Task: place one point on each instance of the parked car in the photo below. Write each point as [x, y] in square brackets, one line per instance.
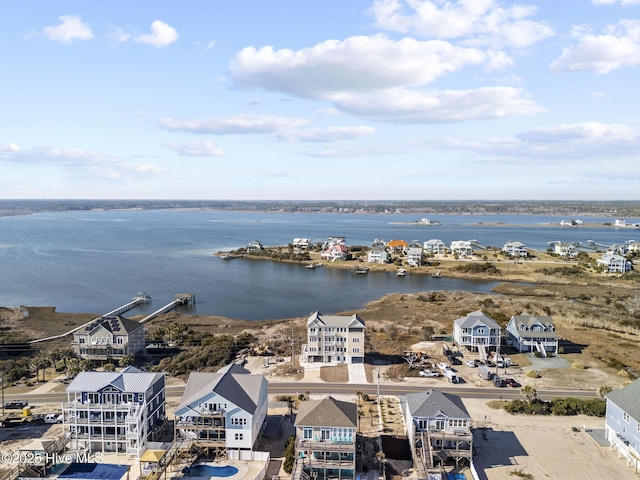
[16, 404]
[429, 373]
[444, 366]
[53, 418]
[512, 383]
[470, 363]
[498, 382]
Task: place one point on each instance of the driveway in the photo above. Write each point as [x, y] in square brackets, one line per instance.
[357, 374]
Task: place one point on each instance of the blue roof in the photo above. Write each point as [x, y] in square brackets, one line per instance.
[95, 471]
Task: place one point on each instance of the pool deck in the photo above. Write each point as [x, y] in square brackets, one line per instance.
[247, 470]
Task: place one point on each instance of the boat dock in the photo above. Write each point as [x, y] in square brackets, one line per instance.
[180, 299]
[139, 299]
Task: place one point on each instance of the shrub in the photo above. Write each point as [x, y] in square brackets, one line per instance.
[532, 374]
[289, 454]
[577, 365]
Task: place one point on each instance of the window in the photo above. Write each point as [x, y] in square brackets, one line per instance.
[356, 340]
[480, 331]
[238, 421]
[625, 416]
[356, 350]
[308, 433]
[239, 436]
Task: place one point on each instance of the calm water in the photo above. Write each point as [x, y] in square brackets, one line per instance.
[96, 261]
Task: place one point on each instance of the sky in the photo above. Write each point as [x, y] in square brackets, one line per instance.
[320, 100]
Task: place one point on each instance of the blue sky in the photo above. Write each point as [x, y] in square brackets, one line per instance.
[311, 100]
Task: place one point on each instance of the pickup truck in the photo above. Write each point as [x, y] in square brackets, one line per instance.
[429, 373]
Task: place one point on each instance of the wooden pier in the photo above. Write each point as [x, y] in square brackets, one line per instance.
[180, 299]
[139, 299]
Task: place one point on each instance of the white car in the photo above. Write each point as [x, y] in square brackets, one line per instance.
[470, 363]
[444, 366]
[429, 373]
[53, 418]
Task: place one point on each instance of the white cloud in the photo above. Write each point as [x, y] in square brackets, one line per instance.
[355, 64]
[418, 107]
[238, 124]
[588, 142]
[118, 35]
[613, 2]
[203, 148]
[618, 46]
[70, 29]
[210, 45]
[161, 35]
[329, 134]
[75, 162]
[477, 22]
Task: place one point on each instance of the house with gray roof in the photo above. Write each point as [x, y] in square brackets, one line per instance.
[530, 333]
[435, 246]
[222, 410]
[326, 439]
[334, 339]
[439, 429]
[622, 424]
[515, 249]
[614, 263]
[114, 411]
[108, 339]
[477, 332]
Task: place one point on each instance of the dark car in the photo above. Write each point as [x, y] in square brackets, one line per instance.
[512, 383]
[16, 404]
[498, 382]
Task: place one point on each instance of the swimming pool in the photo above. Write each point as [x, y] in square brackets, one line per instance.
[204, 470]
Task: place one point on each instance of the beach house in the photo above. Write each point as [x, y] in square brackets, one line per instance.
[461, 247]
[334, 339]
[434, 246]
[223, 410]
[438, 428]
[114, 411]
[613, 263]
[515, 249]
[377, 255]
[477, 332]
[108, 339]
[414, 256]
[398, 247]
[326, 440]
[529, 333]
[254, 246]
[622, 423]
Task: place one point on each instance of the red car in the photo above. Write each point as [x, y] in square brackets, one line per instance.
[512, 383]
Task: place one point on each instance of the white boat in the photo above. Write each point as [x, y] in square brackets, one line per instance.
[438, 274]
[401, 272]
[227, 256]
[311, 266]
[362, 270]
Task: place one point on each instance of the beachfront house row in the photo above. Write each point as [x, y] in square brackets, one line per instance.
[331, 241]
[515, 249]
[438, 428]
[254, 246]
[613, 263]
[107, 339]
[326, 440]
[529, 333]
[461, 247]
[565, 250]
[622, 423]
[477, 332]
[435, 246]
[398, 247]
[114, 411]
[618, 249]
[223, 410]
[414, 256]
[334, 339]
[377, 255]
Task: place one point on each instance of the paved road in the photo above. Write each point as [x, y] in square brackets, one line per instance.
[394, 389]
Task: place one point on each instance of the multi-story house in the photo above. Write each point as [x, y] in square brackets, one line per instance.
[438, 427]
[301, 243]
[114, 411]
[326, 440]
[515, 249]
[108, 339]
[254, 246]
[565, 250]
[532, 332]
[223, 410]
[461, 247]
[397, 246]
[435, 246]
[377, 255]
[333, 338]
[414, 256]
[614, 263]
[477, 332]
[336, 252]
[622, 424]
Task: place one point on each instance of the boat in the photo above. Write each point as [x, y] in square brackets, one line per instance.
[227, 256]
[311, 266]
[401, 272]
[362, 270]
[438, 274]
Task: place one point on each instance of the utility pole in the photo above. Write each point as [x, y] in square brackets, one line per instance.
[378, 393]
[2, 387]
[293, 350]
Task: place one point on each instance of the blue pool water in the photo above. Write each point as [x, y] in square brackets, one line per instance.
[456, 476]
[203, 470]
